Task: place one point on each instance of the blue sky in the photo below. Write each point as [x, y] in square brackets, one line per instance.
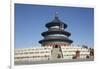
[30, 22]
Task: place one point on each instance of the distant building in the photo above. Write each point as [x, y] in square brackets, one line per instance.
[56, 45]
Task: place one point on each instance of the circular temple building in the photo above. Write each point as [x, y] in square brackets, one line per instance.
[56, 34]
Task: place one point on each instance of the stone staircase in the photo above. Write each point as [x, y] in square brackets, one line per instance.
[56, 53]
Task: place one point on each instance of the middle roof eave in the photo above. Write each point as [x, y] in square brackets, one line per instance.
[56, 32]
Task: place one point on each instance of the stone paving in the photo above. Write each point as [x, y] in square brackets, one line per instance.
[53, 61]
